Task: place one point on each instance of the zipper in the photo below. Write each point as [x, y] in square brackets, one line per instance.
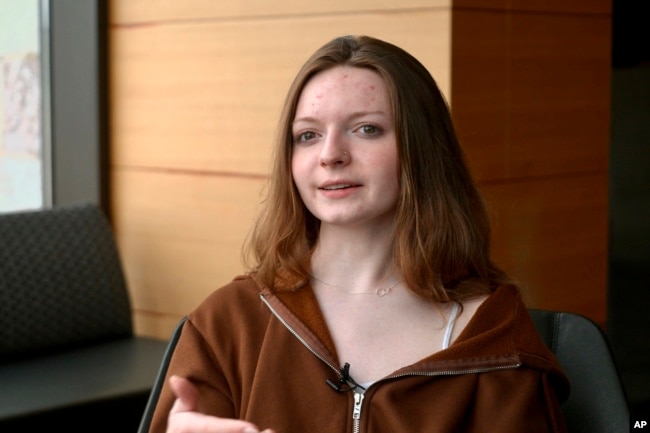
[299, 337]
[455, 372]
[356, 411]
[359, 396]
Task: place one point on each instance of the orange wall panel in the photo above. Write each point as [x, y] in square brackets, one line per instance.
[550, 235]
[531, 101]
[553, 6]
[531, 92]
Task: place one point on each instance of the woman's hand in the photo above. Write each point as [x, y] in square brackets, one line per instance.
[185, 418]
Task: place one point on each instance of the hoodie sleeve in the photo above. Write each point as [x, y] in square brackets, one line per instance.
[193, 360]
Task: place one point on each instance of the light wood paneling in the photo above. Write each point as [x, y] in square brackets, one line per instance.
[145, 11]
[155, 325]
[206, 96]
[540, 105]
[180, 235]
[550, 234]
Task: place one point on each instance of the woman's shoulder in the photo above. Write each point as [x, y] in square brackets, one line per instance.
[239, 298]
[241, 287]
[503, 307]
[502, 324]
[230, 319]
[469, 309]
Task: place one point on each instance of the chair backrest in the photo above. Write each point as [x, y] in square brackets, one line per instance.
[597, 402]
[147, 416]
[61, 281]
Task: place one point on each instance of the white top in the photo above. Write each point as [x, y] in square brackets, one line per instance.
[450, 326]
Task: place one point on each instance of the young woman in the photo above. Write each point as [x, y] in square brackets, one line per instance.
[372, 305]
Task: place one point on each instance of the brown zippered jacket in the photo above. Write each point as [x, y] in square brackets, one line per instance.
[266, 358]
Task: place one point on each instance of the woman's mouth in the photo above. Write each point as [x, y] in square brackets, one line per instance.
[336, 186]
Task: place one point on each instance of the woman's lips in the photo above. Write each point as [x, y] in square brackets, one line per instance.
[338, 189]
[337, 186]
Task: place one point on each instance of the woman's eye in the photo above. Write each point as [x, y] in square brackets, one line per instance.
[305, 136]
[369, 130]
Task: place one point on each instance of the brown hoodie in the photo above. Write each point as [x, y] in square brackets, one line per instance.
[266, 358]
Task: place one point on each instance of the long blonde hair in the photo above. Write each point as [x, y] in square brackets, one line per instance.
[442, 233]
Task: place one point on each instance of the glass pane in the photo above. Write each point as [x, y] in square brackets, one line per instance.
[21, 138]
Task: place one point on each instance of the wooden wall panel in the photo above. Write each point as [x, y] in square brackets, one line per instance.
[540, 105]
[550, 233]
[554, 6]
[180, 235]
[207, 96]
[531, 103]
[143, 11]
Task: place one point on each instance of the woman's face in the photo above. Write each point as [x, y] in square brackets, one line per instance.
[345, 162]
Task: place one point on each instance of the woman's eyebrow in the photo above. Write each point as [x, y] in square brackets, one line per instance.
[353, 116]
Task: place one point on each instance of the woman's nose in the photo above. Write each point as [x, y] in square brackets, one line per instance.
[334, 152]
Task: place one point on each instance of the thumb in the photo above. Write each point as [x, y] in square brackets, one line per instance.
[187, 396]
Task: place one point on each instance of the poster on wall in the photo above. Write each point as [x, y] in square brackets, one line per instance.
[21, 139]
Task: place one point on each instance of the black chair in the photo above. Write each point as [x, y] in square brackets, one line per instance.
[145, 423]
[68, 354]
[597, 402]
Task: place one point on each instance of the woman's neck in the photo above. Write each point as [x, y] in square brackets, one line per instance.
[352, 258]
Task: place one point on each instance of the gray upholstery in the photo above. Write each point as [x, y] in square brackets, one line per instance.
[597, 402]
[61, 282]
[66, 337]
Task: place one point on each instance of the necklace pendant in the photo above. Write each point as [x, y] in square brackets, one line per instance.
[381, 292]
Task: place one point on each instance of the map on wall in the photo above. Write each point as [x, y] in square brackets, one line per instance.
[21, 150]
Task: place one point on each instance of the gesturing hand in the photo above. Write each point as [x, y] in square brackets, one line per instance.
[185, 418]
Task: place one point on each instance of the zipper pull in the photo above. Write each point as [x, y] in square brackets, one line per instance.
[358, 401]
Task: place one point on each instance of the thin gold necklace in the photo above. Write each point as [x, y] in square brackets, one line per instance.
[379, 291]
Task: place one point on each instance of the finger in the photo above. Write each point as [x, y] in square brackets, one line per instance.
[184, 413]
[196, 422]
[187, 396]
